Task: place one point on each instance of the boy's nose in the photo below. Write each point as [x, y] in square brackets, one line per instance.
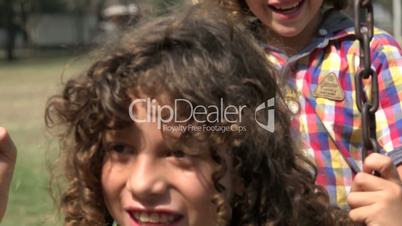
[147, 182]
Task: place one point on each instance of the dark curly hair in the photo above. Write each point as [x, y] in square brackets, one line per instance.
[200, 56]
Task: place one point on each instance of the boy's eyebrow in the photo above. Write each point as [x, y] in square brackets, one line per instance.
[130, 135]
[112, 134]
[121, 134]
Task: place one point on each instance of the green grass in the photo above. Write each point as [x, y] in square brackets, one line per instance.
[25, 86]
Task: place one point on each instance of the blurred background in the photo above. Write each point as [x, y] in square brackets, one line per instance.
[42, 44]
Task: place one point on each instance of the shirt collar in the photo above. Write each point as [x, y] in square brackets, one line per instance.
[335, 25]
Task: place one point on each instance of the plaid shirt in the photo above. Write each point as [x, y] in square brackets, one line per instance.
[330, 127]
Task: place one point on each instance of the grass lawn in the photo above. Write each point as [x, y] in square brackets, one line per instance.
[25, 86]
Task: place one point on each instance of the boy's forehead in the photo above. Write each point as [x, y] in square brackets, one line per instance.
[136, 135]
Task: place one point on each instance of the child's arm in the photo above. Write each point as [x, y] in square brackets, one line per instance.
[8, 156]
[377, 200]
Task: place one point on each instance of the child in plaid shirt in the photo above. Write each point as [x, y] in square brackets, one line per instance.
[312, 44]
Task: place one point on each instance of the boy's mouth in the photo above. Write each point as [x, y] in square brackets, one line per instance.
[286, 8]
[154, 218]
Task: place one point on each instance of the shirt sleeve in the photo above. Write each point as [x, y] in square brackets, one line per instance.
[386, 58]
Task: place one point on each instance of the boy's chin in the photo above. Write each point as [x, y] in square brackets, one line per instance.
[287, 32]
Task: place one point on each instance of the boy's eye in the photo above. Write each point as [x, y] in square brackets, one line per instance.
[119, 148]
[181, 158]
[177, 153]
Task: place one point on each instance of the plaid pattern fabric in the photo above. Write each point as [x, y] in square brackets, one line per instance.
[330, 130]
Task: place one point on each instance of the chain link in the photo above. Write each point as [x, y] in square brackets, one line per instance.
[367, 105]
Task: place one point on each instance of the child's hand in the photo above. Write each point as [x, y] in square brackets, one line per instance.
[377, 201]
[8, 156]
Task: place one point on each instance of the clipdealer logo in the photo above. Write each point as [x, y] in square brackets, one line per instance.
[164, 115]
[269, 107]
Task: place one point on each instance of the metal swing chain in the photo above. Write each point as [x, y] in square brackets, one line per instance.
[364, 30]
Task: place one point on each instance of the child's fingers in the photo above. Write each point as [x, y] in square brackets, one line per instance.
[368, 182]
[4, 138]
[7, 147]
[359, 199]
[381, 208]
[382, 164]
[376, 200]
[359, 215]
[8, 156]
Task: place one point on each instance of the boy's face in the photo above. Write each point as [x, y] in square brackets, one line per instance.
[145, 183]
[287, 18]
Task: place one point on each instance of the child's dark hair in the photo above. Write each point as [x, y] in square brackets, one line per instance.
[201, 57]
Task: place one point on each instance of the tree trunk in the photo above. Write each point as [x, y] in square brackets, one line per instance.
[11, 29]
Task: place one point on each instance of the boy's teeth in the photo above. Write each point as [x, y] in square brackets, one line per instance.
[163, 218]
[154, 218]
[288, 7]
[137, 215]
[143, 217]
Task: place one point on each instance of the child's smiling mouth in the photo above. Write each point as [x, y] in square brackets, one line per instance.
[154, 218]
[288, 8]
